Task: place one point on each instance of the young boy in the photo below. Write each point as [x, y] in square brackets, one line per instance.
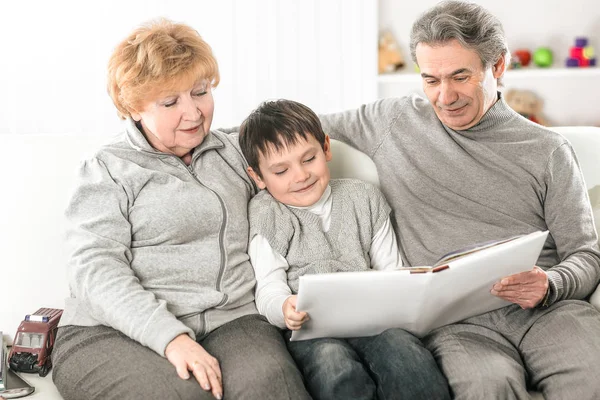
[303, 223]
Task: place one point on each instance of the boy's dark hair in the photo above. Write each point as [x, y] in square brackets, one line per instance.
[275, 125]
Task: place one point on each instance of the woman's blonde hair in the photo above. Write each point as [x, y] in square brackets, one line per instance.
[158, 58]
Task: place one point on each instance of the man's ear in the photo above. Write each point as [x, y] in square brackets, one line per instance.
[327, 149]
[256, 178]
[500, 66]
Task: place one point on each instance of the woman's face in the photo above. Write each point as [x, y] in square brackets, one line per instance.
[178, 122]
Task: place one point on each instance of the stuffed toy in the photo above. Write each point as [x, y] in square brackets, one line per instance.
[527, 104]
[390, 58]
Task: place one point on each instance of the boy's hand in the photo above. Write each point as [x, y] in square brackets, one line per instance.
[293, 319]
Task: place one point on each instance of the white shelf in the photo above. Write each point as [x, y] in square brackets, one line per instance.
[522, 73]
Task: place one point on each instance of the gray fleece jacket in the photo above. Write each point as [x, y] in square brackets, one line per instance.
[158, 248]
[502, 177]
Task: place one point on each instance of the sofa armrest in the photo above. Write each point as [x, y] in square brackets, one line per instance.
[595, 299]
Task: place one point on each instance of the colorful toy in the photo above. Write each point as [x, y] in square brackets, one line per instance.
[515, 63]
[523, 55]
[390, 58]
[527, 104]
[34, 342]
[542, 57]
[581, 55]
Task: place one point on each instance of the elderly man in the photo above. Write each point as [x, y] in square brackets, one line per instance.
[465, 168]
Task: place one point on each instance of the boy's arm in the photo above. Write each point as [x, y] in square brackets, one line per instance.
[384, 252]
[272, 289]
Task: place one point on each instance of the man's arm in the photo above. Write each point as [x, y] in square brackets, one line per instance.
[570, 221]
[366, 127]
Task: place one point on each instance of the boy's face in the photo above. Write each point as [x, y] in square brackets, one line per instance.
[297, 175]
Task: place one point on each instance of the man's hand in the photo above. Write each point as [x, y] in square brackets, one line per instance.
[526, 289]
[293, 320]
[187, 355]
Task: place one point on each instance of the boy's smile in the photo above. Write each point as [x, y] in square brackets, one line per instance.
[298, 174]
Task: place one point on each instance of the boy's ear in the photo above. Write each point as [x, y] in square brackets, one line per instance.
[259, 182]
[327, 148]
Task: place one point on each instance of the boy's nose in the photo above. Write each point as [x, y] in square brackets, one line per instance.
[302, 174]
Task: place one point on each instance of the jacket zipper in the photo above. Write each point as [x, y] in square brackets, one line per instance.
[190, 170]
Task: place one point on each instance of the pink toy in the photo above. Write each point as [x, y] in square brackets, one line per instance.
[581, 55]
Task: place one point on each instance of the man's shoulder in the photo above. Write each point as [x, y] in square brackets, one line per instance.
[413, 101]
[543, 137]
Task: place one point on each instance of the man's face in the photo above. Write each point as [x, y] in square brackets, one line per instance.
[456, 84]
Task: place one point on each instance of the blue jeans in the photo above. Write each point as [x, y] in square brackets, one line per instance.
[391, 365]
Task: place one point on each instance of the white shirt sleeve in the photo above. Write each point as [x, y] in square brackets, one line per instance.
[384, 252]
[272, 288]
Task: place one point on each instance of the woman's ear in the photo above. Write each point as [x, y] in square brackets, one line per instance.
[136, 116]
[256, 178]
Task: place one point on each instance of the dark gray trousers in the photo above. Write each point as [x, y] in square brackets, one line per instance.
[101, 363]
[498, 355]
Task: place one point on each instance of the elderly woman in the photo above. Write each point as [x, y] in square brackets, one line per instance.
[161, 284]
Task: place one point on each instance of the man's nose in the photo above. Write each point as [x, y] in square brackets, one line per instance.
[447, 93]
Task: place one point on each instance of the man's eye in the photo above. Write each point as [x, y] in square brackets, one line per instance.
[430, 82]
[460, 78]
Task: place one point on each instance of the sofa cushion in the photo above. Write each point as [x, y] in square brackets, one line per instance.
[594, 194]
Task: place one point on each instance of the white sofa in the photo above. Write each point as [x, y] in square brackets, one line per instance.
[38, 172]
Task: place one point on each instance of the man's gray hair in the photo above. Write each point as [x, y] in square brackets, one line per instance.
[473, 26]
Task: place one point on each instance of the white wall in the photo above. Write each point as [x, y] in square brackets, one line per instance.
[52, 72]
[570, 96]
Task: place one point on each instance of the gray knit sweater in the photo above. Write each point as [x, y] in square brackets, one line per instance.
[358, 211]
[502, 177]
[158, 248]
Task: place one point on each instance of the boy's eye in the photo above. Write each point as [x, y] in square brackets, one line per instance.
[310, 159]
[280, 172]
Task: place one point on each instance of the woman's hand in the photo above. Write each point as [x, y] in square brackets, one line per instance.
[526, 289]
[293, 319]
[187, 355]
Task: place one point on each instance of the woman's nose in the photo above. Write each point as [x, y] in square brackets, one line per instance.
[191, 110]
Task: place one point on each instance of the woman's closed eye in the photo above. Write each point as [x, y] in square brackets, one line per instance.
[170, 103]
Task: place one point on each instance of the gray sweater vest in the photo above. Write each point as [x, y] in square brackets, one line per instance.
[358, 212]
